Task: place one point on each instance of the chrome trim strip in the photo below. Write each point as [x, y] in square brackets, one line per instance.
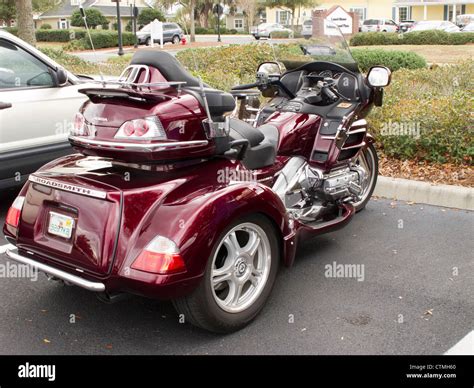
[361, 145]
[67, 277]
[68, 187]
[118, 146]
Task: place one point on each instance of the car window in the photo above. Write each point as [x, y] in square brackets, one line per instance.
[308, 23]
[371, 22]
[20, 69]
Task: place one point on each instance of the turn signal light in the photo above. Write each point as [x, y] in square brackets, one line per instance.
[161, 256]
[80, 126]
[13, 215]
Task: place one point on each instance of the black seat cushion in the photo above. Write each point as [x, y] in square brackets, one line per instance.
[219, 102]
[263, 143]
[168, 66]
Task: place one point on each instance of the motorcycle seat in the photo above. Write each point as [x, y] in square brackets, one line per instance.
[219, 102]
[263, 143]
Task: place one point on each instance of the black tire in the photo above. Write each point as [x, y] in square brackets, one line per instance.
[257, 37]
[148, 41]
[200, 307]
[373, 151]
[176, 39]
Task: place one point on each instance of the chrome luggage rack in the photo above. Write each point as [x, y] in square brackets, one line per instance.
[129, 80]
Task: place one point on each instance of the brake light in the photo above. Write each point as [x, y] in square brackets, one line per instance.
[13, 215]
[161, 256]
[80, 127]
[149, 128]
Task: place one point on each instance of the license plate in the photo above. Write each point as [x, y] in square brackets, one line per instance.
[60, 225]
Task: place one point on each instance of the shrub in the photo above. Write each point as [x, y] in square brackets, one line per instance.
[75, 45]
[281, 35]
[438, 102]
[12, 30]
[147, 15]
[94, 18]
[46, 26]
[104, 39]
[53, 35]
[79, 34]
[394, 60]
[414, 38]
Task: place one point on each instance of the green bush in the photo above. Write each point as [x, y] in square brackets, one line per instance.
[12, 30]
[394, 60]
[94, 18]
[53, 35]
[46, 26]
[147, 15]
[432, 37]
[280, 35]
[79, 33]
[105, 39]
[435, 103]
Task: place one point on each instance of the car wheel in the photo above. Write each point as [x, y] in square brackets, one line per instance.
[257, 37]
[384, 31]
[148, 41]
[176, 39]
[238, 279]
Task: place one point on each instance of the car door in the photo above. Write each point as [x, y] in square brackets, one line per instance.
[167, 32]
[36, 125]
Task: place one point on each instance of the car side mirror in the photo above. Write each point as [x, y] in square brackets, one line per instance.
[379, 77]
[270, 68]
[61, 76]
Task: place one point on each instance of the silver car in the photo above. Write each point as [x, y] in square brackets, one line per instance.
[38, 103]
[265, 30]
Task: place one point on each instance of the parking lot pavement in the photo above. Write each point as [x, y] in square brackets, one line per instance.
[415, 297]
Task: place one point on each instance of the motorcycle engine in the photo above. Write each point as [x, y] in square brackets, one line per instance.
[308, 193]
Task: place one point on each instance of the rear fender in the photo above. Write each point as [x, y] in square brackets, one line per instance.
[196, 224]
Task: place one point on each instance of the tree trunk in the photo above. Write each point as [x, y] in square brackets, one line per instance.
[193, 22]
[26, 26]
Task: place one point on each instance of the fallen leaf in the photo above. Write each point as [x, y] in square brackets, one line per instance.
[108, 346]
[46, 341]
[429, 312]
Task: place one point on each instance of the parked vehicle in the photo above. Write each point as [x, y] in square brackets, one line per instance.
[172, 198]
[307, 30]
[172, 33]
[440, 25]
[464, 20]
[379, 25]
[406, 25]
[468, 28]
[265, 30]
[38, 99]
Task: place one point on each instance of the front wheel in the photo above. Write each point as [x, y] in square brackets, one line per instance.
[176, 39]
[368, 161]
[239, 277]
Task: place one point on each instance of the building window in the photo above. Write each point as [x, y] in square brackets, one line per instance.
[362, 12]
[283, 17]
[403, 14]
[449, 10]
[262, 17]
[238, 24]
[63, 24]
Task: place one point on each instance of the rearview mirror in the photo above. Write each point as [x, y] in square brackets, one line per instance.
[270, 68]
[379, 77]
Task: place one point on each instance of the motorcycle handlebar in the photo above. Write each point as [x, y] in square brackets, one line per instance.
[247, 86]
[330, 94]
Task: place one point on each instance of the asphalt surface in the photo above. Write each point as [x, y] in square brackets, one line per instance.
[409, 302]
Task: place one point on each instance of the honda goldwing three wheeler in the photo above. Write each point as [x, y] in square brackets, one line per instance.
[172, 196]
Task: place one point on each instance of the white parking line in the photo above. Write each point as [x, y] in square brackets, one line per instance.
[465, 347]
[3, 248]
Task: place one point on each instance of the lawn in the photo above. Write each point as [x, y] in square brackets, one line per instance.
[435, 53]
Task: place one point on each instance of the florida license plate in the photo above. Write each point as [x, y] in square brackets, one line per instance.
[60, 225]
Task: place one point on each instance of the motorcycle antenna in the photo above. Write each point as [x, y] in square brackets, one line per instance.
[84, 17]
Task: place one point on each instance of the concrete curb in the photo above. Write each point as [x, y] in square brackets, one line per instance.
[422, 192]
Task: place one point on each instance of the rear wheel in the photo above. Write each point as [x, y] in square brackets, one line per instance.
[148, 41]
[176, 39]
[239, 277]
[369, 162]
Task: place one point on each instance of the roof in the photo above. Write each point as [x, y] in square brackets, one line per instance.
[65, 9]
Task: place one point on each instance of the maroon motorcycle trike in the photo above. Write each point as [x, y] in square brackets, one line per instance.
[180, 192]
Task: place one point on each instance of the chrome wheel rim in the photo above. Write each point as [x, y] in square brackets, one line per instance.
[240, 267]
[366, 161]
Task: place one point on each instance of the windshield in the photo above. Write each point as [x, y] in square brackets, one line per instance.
[295, 46]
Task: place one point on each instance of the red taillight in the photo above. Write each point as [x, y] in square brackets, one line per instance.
[160, 256]
[141, 127]
[149, 128]
[13, 215]
[129, 129]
